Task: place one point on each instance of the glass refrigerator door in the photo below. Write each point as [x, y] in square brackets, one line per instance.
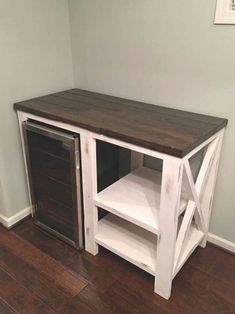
[55, 184]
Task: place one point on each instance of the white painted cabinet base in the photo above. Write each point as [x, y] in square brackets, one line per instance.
[155, 220]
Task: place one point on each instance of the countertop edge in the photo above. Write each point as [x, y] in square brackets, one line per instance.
[19, 106]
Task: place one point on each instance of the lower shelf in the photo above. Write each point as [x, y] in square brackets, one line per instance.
[138, 245]
[129, 241]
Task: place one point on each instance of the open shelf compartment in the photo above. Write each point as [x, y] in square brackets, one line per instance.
[138, 245]
[135, 198]
[129, 241]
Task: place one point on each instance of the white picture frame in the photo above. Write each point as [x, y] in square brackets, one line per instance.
[225, 12]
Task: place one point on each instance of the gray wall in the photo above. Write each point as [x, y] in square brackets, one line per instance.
[168, 52]
[35, 59]
[156, 51]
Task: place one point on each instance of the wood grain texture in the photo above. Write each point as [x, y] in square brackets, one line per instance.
[17, 297]
[159, 128]
[5, 308]
[65, 279]
[35, 281]
[206, 283]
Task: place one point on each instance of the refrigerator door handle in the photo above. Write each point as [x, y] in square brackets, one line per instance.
[77, 156]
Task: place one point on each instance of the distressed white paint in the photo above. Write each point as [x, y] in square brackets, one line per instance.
[89, 181]
[208, 193]
[129, 241]
[194, 237]
[183, 232]
[206, 165]
[198, 213]
[202, 194]
[132, 147]
[136, 198]
[162, 256]
[168, 222]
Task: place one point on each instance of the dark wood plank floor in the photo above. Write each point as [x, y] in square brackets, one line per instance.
[40, 274]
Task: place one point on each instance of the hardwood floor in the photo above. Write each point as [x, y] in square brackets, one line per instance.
[41, 274]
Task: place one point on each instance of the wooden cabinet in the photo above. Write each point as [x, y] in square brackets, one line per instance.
[154, 218]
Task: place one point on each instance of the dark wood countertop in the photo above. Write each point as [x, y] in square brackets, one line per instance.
[159, 128]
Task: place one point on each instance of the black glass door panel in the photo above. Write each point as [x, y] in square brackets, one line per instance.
[44, 185]
[56, 216]
[54, 176]
[53, 167]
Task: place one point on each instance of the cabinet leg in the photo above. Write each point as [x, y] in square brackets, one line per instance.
[204, 241]
[168, 221]
[89, 179]
[90, 231]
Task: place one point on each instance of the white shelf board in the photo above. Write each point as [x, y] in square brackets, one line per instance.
[193, 239]
[136, 198]
[129, 241]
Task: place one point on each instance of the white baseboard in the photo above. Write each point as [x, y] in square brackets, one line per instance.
[8, 222]
[225, 244]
